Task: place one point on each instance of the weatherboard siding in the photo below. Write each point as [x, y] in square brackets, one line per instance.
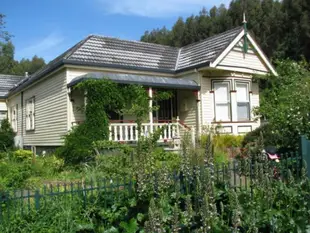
[50, 111]
[187, 108]
[207, 104]
[236, 58]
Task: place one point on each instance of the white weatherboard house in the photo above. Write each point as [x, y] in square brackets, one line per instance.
[211, 80]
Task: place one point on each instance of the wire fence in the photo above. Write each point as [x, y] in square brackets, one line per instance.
[242, 174]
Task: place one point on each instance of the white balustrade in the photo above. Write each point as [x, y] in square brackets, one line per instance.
[128, 132]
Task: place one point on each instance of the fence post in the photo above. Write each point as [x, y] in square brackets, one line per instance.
[37, 199]
[305, 152]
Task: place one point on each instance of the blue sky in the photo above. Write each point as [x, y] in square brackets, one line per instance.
[48, 27]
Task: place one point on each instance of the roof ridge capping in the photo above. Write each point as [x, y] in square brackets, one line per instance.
[12, 75]
[237, 29]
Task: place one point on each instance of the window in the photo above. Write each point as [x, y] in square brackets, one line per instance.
[243, 102]
[14, 118]
[30, 114]
[222, 101]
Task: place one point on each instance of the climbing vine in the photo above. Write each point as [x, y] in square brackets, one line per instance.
[104, 96]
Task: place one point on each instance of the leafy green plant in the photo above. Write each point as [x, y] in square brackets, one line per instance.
[220, 157]
[13, 174]
[227, 141]
[6, 136]
[130, 227]
[270, 138]
[22, 155]
[285, 103]
[163, 158]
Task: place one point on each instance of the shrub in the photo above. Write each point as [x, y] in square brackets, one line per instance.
[6, 136]
[227, 141]
[164, 158]
[269, 137]
[22, 155]
[56, 164]
[77, 146]
[220, 157]
[13, 175]
[284, 102]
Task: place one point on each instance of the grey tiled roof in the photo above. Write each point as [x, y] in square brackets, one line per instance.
[207, 50]
[7, 82]
[106, 50]
[99, 51]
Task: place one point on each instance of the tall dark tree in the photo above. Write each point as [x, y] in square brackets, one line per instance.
[178, 32]
[27, 65]
[297, 23]
[282, 28]
[7, 62]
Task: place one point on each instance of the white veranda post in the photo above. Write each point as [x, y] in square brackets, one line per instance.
[150, 108]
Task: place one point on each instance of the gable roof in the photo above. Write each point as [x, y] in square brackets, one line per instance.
[100, 51]
[7, 82]
[206, 51]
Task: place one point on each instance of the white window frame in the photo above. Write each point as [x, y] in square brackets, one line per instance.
[219, 103]
[14, 117]
[245, 102]
[30, 114]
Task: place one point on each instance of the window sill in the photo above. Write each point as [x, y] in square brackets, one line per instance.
[30, 130]
[231, 122]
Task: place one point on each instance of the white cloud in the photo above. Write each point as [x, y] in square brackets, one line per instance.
[41, 47]
[157, 8]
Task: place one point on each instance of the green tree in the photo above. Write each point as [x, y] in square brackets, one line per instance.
[282, 28]
[178, 32]
[27, 65]
[285, 102]
[4, 35]
[7, 61]
[6, 136]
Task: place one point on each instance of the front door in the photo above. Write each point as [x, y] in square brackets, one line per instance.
[167, 109]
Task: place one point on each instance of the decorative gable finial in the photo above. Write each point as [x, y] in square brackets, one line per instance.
[244, 19]
[245, 39]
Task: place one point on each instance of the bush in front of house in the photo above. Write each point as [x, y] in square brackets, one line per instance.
[77, 146]
[22, 155]
[6, 136]
[266, 131]
[225, 146]
[285, 103]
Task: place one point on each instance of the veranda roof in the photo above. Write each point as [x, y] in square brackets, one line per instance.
[144, 80]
